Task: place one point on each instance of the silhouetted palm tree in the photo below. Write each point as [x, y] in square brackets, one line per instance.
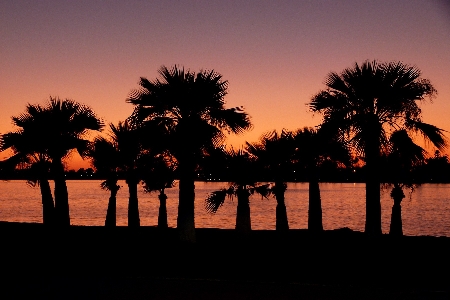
[37, 167]
[274, 152]
[159, 176]
[368, 102]
[126, 139]
[313, 148]
[54, 130]
[241, 171]
[190, 107]
[39, 171]
[402, 156]
[105, 158]
[123, 153]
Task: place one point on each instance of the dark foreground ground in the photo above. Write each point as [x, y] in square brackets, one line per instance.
[144, 263]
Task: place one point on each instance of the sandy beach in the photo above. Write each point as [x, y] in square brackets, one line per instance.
[145, 263]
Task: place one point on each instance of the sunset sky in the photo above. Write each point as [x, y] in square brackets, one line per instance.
[275, 54]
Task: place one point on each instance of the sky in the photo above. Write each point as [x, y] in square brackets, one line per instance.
[274, 54]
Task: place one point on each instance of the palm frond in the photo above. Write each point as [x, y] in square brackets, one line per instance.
[233, 120]
[215, 200]
[430, 133]
[264, 190]
[404, 151]
[110, 184]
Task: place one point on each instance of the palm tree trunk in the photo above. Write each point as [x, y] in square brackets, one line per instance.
[373, 205]
[281, 214]
[162, 216]
[396, 228]
[48, 208]
[110, 220]
[315, 206]
[243, 221]
[61, 194]
[186, 208]
[133, 205]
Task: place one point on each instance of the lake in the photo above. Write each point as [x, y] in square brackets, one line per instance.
[426, 211]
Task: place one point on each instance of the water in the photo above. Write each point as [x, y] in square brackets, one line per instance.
[425, 212]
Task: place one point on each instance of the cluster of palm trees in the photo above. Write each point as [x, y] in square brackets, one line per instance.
[178, 127]
[275, 156]
[46, 135]
[370, 104]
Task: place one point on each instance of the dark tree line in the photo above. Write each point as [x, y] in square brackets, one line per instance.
[431, 170]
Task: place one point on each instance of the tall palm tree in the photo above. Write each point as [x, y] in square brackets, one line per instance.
[190, 107]
[274, 152]
[313, 148]
[55, 130]
[366, 103]
[242, 177]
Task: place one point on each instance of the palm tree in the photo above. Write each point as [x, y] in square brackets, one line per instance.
[314, 148]
[274, 152]
[367, 103]
[159, 176]
[37, 167]
[402, 156]
[190, 107]
[123, 153]
[126, 138]
[55, 130]
[105, 158]
[241, 175]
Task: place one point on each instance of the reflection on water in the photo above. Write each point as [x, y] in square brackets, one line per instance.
[425, 212]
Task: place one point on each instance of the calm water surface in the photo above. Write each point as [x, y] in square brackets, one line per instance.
[425, 212]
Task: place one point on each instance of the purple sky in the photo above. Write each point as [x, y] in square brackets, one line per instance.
[275, 54]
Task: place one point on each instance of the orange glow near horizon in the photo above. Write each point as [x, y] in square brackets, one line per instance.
[274, 55]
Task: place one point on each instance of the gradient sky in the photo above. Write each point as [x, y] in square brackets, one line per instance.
[275, 54]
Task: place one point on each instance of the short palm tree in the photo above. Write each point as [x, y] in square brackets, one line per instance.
[401, 158]
[367, 103]
[190, 107]
[122, 153]
[37, 167]
[275, 152]
[39, 172]
[105, 158]
[313, 148]
[160, 175]
[126, 139]
[241, 175]
[55, 130]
